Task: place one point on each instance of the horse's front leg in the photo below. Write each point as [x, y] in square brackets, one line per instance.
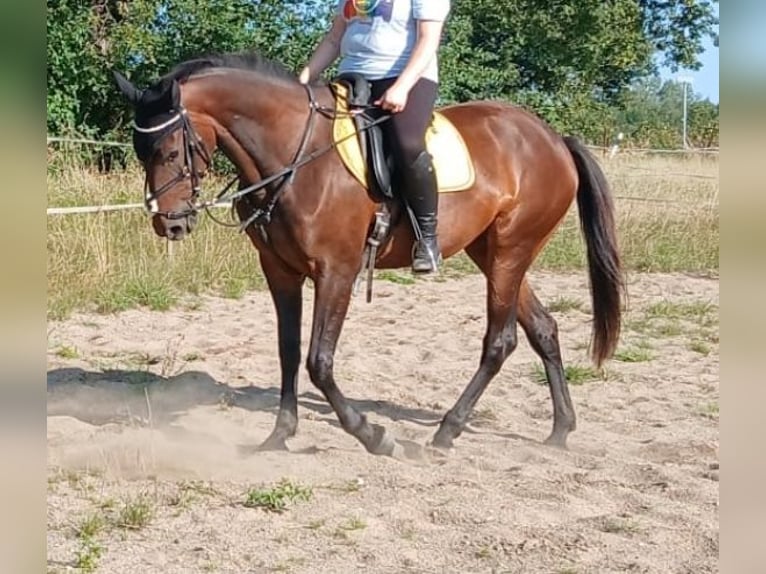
[331, 301]
[286, 292]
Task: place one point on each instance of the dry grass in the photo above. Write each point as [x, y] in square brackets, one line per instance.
[667, 217]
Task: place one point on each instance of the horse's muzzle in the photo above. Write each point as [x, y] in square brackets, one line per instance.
[174, 229]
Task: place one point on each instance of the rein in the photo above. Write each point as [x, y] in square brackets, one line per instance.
[262, 214]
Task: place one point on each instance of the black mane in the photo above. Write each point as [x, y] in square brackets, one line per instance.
[252, 61]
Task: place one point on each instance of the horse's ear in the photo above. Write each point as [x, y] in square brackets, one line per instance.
[175, 94]
[132, 93]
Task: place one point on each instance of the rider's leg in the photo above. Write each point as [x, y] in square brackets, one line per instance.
[406, 132]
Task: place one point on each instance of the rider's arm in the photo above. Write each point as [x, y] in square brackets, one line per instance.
[426, 46]
[326, 52]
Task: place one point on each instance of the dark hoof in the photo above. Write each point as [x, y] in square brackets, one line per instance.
[273, 443]
[442, 441]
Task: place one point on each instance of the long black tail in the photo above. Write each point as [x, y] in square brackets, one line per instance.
[596, 209]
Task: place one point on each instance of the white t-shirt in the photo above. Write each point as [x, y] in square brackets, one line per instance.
[380, 35]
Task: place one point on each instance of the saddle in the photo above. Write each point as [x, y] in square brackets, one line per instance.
[355, 91]
[361, 145]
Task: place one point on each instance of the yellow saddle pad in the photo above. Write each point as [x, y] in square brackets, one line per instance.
[451, 159]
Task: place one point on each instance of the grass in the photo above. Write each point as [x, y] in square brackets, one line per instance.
[575, 374]
[700, 347]
[564, 304]
[89, 550]
[633, 354]
[109, 262]
[710, 410]
[66, 352]
[397, 277]
[88, 555]
[136, 513]
[278, 497]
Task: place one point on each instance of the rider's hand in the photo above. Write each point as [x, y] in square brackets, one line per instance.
[305, 75]
[394, 99]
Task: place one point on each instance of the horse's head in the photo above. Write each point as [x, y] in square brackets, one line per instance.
[174, 154]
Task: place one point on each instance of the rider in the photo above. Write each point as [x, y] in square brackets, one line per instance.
[394, 45]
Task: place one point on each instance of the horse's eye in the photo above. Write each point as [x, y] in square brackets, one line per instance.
[173, 155]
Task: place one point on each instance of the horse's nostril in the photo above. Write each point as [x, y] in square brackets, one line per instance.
[176, 230]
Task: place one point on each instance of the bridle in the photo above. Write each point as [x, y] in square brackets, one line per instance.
[193, 144]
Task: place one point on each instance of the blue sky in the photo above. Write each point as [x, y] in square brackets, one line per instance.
[704, 80]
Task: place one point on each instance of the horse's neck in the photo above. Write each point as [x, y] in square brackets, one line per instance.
[264, 116]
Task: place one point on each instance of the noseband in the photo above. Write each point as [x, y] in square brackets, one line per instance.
[192, 144]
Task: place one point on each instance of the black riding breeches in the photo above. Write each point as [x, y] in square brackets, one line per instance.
[406, 130]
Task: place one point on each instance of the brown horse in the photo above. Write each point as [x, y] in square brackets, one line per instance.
[312, 220]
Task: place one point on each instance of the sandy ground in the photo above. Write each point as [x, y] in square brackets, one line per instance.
[154, 409]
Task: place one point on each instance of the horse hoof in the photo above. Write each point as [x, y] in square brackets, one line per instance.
[441, 442]
[272, 443]
[382, 442]
[557, 441]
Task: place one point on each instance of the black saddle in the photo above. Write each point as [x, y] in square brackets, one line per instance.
[377, 156]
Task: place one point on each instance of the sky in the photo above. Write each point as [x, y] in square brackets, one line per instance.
[704, 80]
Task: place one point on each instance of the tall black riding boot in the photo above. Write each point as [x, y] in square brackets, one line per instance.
[421, 193]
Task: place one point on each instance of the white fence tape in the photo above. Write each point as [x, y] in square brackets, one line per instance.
[105, 208]
[126, 206]
[54, 139]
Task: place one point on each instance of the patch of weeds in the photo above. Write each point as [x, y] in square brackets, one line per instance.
[563, 304]
[395, 277]
[580, 374]
[710, 410]
[136, 292]
[234, 288]
[66, 352]
[408, 532]
[90, 526]
[694, 310]
[668, 329]
[88, 555]
[575, 374]
[700, 347]
[276, 498]
[633, 355]
[135, 513]
[89, 550]
[483, 553]
[353, 524]
[459, 265]
[193, 356]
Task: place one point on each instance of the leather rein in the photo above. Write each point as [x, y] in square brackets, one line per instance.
[193, 144]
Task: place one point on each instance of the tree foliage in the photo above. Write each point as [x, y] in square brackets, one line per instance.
[572, 61]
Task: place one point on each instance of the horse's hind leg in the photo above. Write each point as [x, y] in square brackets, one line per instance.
[504, 264]
[542, 332]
